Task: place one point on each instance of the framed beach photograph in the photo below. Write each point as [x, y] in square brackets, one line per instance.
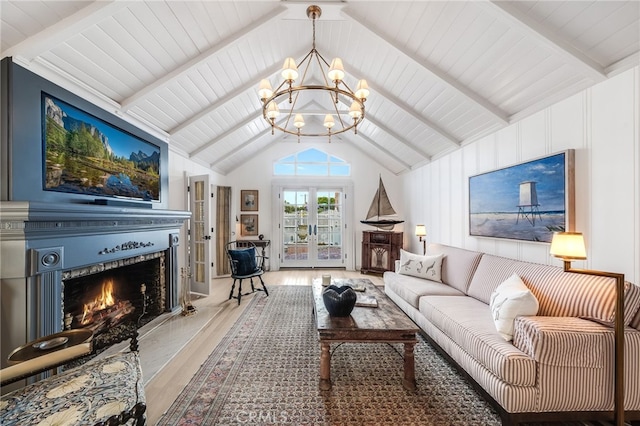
[249, 200]
[527, 201]
[248, 225]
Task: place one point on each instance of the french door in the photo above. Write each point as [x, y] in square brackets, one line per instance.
[200, 234]
[312, 227]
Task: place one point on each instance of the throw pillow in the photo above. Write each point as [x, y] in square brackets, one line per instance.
[427, 267]
[509, 300]
[245, 260]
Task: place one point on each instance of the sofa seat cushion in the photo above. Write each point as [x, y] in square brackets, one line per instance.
[468, 322]
[84, 395]
[561, 341]
[411, 289]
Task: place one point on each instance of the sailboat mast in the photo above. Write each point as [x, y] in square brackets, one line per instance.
[379, 192]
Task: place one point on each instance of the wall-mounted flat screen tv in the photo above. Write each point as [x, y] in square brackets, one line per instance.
[86, 155]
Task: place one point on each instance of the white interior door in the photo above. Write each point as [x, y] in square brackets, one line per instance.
[312, 227]
[200, 234]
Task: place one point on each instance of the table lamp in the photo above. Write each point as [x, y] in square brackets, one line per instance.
[569, 246]
[421, 231]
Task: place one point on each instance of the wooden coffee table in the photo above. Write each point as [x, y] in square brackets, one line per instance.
[384, 324]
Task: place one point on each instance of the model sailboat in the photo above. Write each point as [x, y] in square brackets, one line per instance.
[381, 211]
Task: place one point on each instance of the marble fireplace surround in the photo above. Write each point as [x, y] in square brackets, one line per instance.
[39, 242]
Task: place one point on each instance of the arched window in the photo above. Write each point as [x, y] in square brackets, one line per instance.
[311, 162]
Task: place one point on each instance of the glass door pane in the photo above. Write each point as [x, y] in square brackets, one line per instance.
[312, 228]
[295, 229]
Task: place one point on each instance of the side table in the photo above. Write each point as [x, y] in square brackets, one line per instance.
[30, 359]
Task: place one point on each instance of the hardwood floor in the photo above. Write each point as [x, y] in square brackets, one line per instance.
[168, 362]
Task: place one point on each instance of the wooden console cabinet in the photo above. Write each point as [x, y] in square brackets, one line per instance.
[380, 250]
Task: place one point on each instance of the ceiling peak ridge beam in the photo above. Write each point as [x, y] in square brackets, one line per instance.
[63, 30]
[202, 58]
[227, 98]
[462, 90]
[240, 147]
[551, 40]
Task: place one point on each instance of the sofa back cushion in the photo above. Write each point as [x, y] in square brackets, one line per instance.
[458, 265]
[559, 293]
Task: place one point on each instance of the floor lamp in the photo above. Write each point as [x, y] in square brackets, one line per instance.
[569, 246]
[421, 232]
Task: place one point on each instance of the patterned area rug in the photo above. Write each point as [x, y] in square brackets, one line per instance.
[265, 371]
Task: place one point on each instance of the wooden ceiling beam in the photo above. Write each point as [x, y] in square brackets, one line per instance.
[521, 22]
[63, 30]
[482, 103]
[233, 39]
[253, 84]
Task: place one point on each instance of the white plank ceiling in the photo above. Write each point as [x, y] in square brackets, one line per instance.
[441, 73]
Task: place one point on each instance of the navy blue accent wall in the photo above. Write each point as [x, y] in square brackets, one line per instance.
[21, 165]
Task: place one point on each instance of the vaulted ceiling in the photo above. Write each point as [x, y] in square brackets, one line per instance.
[441, 73]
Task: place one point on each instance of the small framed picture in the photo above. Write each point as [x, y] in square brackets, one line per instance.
[248, 225]
[249, 200]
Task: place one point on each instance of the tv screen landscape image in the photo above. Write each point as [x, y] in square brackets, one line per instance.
[86, 155]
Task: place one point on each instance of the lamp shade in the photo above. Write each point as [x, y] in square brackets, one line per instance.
[355, 110]
[264, 90]
[362, 90]
[568, 246]
[272, 110]
[289, 69]
[421, 231]
[336, 70]
[298, 121]
[328, 121]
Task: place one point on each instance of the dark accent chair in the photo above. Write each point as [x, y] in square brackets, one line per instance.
[245, 262]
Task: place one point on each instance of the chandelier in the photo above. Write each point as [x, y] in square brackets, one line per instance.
[334, 95]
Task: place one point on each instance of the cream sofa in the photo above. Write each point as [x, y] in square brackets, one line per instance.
[559, 365]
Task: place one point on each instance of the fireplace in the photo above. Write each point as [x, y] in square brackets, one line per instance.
[54, 256]
[127, 291]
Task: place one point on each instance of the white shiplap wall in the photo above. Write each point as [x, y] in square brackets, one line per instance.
[602, 124]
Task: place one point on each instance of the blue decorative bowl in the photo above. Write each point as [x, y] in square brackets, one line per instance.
[339, 301]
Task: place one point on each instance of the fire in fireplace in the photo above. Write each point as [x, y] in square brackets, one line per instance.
[108, 298]
[103, 310]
